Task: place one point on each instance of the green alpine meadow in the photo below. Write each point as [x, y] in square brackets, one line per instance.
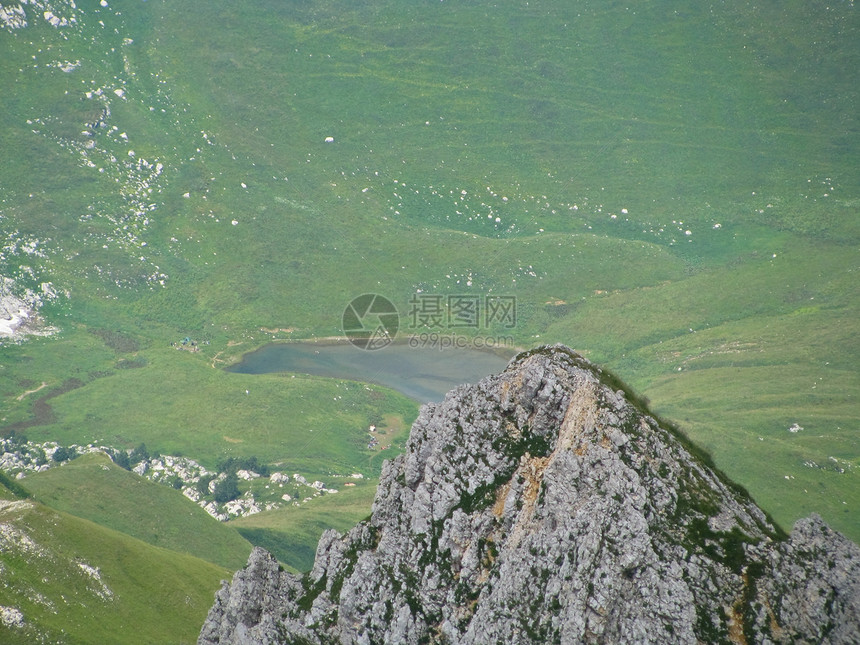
[672, 190]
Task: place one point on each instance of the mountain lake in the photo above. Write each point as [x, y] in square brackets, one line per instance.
[421, 373]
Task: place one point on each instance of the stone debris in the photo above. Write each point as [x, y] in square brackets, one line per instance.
[11, 617]
[19, 307]
[21, 458]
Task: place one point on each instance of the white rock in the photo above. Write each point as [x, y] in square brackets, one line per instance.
[11, 617]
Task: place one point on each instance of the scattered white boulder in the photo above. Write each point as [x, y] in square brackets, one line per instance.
[22, 459]
[52, 19]
[242, 507]
[214, 511]
[92, 572]
[11, 617]
[13, 17]
[12, 320]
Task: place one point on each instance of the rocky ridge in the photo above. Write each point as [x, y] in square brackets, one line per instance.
[545, 504]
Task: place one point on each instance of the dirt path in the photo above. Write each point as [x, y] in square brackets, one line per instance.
[21, 396]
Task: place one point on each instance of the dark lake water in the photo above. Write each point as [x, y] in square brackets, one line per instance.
[424, 374]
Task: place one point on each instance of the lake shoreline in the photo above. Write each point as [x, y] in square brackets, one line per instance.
[422, 373]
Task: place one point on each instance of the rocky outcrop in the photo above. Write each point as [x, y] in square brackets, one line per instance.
[19, 311]
[545, 504]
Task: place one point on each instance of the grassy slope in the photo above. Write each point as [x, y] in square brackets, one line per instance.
[149, 594]
[94, 488]
[291, 533]
[206, 414]
[741, 117]
[736, 369]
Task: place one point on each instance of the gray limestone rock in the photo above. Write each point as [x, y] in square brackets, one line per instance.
[545, 504]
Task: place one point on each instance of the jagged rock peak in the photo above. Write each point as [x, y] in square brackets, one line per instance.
[544, 504]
